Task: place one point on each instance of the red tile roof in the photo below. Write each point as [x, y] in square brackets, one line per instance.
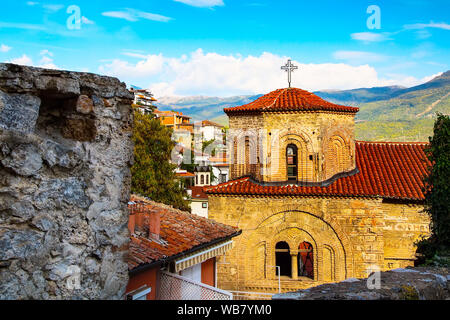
[198, 193]
[208, 123]
[386, 169]
[290, 99]
[181, 232]
[185, 175]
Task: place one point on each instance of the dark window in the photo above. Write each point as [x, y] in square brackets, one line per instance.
[205, 205]
[283, 258]
[207, 179]
[305, 260]
[202, 179]
[291, 162]
[223, 178]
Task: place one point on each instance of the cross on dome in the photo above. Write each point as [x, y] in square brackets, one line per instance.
[289, 67]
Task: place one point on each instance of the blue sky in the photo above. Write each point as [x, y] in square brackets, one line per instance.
[228, 47]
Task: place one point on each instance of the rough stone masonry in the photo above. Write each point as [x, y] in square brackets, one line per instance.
[65, 157]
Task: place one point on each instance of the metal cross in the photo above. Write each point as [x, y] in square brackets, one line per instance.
[289, 67]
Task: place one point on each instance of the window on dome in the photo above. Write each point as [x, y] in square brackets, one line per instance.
[291, 162]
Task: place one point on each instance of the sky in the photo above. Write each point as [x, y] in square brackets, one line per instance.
[232, 47]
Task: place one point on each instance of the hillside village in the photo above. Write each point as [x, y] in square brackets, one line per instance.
[308, 207]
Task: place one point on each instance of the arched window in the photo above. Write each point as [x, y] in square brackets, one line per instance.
[202, 179]
[292, 162]
[283, 258]
[207, 179]
[305, 260]
[196, 179]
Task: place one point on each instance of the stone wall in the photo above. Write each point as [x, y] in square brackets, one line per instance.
[424, 283]
[65, 157]
[351, 237]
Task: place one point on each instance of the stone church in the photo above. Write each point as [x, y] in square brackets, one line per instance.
[314, 204]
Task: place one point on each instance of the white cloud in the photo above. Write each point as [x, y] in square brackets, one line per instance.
[135, 55]
[53, 7]
[24, 26]
[441, 25]
[32, 3]
[133, 15]
[202, 3]
[4, 48]
[23, 60]
[213, 74]
[86, 20]
[150, 66]
[46, 52]
[358, 57]
[370, 36]
[46, 60]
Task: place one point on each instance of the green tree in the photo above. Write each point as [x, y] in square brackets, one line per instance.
[153, 175]
[437, 191]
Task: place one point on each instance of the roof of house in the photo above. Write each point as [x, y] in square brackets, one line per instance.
[181, 233]
[170, 113]
[290, 99]
[198, 193]
[386, 169]
[185, 175]
[207, 123]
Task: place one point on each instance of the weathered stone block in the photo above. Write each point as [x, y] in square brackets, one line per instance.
[64, 184]
[25, 160]
[18, 112]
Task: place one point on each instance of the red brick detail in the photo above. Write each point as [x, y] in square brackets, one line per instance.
[386, 169]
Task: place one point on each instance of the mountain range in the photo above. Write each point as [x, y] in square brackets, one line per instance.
[392, 113]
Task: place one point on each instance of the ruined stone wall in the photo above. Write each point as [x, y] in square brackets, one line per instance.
[65, 157]
[351, 237]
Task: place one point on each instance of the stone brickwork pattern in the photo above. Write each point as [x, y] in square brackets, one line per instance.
[65, 157]
[351, 237]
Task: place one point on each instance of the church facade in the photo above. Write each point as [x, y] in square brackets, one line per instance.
[314, 204]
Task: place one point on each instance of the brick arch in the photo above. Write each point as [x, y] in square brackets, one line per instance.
[273, 225]
[305, 148]
[338, 151]
[244, 153]
[294, 236]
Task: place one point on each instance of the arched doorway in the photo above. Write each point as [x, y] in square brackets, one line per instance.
[283, 258]
[292, 162]
[305, 260]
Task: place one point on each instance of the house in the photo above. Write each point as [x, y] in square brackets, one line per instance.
[316, 205]
[175, 120]
[205, 131]
[144, 99]
[220, 168]
[199, 201]
[173, 254]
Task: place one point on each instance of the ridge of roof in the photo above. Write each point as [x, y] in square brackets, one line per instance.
[386, 170]
[290, 99]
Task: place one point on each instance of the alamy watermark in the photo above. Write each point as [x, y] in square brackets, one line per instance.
[74, 20]
[374, 20]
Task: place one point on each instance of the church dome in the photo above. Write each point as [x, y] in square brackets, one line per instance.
[290, 99]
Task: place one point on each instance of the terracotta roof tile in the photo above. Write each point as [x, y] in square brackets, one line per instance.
[180, 231]
[198, 193]
[386, 169]
[290, 99]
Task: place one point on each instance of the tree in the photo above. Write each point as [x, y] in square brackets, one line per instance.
[153, 175]
[437, 190]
